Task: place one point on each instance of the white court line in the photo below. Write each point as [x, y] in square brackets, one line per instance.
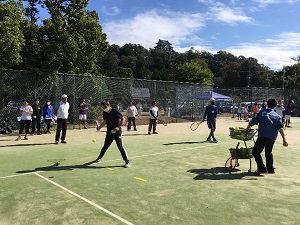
[17, 175]
[86, 200]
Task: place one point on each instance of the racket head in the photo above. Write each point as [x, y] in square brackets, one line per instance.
[194, 126]
[231, 163]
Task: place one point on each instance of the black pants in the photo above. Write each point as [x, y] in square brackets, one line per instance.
[26, 124]
[48, 123]
[36, 123]
[261, 144]
[61, 126]
[131, 119]
[108, 140]
[212, 126]
[152, 122]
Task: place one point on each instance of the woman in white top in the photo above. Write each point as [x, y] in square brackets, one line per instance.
[26, 111]
[131, 114]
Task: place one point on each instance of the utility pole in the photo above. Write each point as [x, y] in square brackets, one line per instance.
[283, 74]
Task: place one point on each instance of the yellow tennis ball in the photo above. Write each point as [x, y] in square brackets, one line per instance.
[94, 140]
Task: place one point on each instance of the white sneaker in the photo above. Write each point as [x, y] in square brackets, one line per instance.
[127, 165]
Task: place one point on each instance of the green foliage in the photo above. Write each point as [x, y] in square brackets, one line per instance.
[11, 36]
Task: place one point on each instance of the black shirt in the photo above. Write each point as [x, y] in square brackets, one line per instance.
[37, 111]
[112, 119]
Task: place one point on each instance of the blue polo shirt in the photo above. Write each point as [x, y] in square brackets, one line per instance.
[211, 112]
[269, 122]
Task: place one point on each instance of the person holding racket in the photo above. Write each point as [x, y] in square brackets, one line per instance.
[211, 112]
[269, 123]
[113, 120]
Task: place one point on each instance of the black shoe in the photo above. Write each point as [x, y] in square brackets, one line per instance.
[259, 172]
[149, 133]
[215, 140]
[56, 142]
[155, 132]
[64, 142]
[208, 139]
[85, 128]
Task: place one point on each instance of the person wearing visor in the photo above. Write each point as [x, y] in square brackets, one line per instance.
[211, 113]
[113, 120]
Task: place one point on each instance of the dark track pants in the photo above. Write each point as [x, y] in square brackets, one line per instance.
[261, 144]
[108, 140]
[26, 124]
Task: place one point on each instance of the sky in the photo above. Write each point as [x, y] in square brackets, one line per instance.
[267, 30]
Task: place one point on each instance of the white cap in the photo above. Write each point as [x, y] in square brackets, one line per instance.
[64, 96]
[212, 100]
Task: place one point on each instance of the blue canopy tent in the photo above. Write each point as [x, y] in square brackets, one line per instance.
[210, 94]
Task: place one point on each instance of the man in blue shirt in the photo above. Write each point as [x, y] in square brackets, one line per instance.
[211, 112]
[269, 123]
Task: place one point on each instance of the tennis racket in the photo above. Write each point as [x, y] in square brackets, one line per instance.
[194, 126]
[97, 125]
[162, 122]
[232, 161]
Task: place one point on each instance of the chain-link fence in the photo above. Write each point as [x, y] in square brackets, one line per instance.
[176, 100]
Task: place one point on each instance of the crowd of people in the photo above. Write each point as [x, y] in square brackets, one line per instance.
[247, 111]
[270, 117]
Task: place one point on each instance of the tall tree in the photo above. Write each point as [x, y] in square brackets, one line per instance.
[72, 38]
[11, 36]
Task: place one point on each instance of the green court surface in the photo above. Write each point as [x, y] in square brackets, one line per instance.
[176, 177]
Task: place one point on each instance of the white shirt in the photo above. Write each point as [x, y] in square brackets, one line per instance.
[25, 115]
[279, 110]
[62, 110]
[154, 110]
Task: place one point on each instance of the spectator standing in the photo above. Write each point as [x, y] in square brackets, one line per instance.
[36, 117]
[153, 117]
[255, 109]
[239, 112]
[131, 114]
[211, 113]
[26, 111]
[263, 105]
[48, 115]
[113, 120]
[279, 109]
[83, 108]
[61, 110]
[288, 111]
[269, 123]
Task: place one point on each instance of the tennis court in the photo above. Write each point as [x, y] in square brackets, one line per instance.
[176, 177]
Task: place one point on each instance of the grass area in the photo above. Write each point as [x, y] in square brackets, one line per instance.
[43, 183]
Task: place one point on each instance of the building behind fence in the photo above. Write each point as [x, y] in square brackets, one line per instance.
[175, 99]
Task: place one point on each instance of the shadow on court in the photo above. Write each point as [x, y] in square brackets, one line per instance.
[220, 173]
[186, 143]
[28, 144]
[56, 167]
[134, 134]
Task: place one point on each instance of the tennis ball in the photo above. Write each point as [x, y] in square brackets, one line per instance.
[94, 140]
